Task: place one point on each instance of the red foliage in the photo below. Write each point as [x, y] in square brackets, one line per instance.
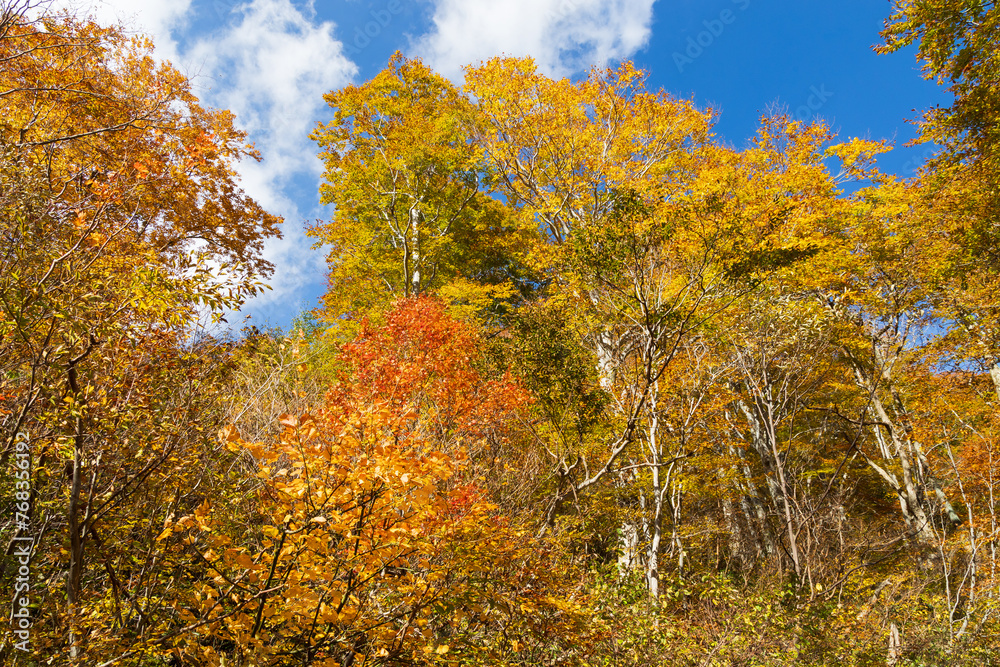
[420, 366]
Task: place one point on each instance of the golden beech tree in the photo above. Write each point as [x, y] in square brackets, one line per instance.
[413, 215]
[122, 220]
[563, 150]
[948, 406]
[652, 231]
[956, 42]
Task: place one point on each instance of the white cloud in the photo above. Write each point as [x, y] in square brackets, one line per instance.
[271, 67]
[160, 19]
[563, 36]
[270, 62]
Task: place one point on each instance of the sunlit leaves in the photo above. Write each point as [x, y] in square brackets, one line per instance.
[370, 543]
[122, 223]
[410, 187]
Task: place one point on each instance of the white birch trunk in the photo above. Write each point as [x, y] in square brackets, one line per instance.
[911, 492]
[995, 375]
[656, 522]
[414, 252]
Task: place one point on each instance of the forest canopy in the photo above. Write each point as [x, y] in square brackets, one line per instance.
[588, 386]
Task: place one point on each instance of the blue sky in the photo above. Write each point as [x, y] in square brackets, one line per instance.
[270, 61]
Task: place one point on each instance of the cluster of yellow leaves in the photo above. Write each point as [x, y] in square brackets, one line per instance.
[410, 188]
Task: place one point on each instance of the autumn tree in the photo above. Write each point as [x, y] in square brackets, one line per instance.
[602, 389]
[122, 220]
[651, 229]
[956, 41]
[377, 544]
[413, 215]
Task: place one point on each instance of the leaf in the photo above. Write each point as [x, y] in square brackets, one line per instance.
[229, 433]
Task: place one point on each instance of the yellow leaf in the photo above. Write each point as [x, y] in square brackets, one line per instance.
[229, 434]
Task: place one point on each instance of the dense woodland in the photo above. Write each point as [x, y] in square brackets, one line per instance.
[588, 387]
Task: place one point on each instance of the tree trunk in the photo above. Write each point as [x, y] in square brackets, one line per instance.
[656, 522]
[912, 494]
[779, 466]
[414, 252]
[606, 360]
[736, 539]
[995, 374]
[628, 541]
[75, 544]
[761, 419]
[73, 583]
[755, 515]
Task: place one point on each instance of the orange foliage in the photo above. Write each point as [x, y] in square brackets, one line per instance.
[420, 368]
[366, 548]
